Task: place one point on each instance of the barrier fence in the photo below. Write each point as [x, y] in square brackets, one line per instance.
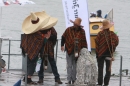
[56, 52]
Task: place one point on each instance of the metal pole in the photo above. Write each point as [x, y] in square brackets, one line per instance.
[26, 59]
[120, 70]
[0, 46]
[0, 53]
[9, 55]
[26, 70]
[56, 49]
[0, 20]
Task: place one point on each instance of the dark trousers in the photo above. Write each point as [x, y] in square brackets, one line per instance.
[100, 71]
[53, 67]
[31, 65]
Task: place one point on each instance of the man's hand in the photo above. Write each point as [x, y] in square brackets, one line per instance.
[48, 34]
[112, 59]
[3, 70]
[62, 48]
[45, 67]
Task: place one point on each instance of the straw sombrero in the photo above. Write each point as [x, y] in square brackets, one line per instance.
[52, 22]
[106, 24]
[34, 22]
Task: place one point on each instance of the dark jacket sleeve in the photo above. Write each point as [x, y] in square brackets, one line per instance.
[62, 41]
[53, 39]
[22, 38]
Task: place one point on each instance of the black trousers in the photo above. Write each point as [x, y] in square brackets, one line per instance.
[31, 65]
[53, 67]
[100, 71]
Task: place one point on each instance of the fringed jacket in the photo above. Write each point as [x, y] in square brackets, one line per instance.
[32, 44]
[106, 43]
[68, 38]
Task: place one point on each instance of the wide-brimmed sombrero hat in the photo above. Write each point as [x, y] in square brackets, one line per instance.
[34, 22]
[106, 24]
[52, 22]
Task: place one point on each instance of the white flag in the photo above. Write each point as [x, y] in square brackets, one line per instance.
[110, 15]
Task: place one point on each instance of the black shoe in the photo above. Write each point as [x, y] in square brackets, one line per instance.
[58, 81]
[40, 81]
[69, 82]
[30, 82]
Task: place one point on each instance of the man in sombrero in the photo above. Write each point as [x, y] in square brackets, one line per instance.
[106, 43]
[32, 42]
[74, 39]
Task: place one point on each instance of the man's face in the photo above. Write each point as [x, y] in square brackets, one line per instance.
[76, 26]
[48, 34]
[45, 31]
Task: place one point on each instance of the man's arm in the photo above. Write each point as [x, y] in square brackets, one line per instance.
[97, 39]
[53, 37]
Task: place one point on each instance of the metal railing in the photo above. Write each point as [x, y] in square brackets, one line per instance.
[56, 47]
[9, 54]
[9, 51]
[120, 70]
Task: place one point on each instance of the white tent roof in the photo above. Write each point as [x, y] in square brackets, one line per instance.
[1, 3]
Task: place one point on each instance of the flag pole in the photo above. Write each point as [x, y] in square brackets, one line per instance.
[0, 19]
[112, 14]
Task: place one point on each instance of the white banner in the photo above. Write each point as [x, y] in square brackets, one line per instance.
[74, 9]
[1, 3]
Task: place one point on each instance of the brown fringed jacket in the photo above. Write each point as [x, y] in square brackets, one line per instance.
[32, 44]
[50, 44]
[68, 39]
[102, 48]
